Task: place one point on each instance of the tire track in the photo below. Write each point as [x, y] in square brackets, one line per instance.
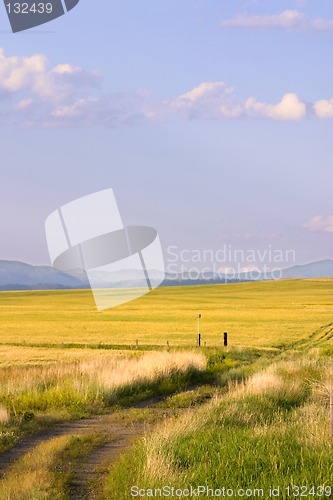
[88, 475]
[120, 429]
[319, 336]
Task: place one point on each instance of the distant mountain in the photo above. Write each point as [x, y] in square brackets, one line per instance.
[320, 269]
[16, 275]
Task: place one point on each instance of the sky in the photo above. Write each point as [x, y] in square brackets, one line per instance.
[210, 119]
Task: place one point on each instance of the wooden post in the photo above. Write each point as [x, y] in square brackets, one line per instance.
[199, 334]
[225, 341]
[137, 343]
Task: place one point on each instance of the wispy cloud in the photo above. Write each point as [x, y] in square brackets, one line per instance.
[34, 94]
[209, 100]
[286, 20]
[319, 223]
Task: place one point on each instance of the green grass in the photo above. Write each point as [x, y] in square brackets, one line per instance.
[272, 432]
[190, 398]
[263, 314]
[46, 472]
[35, 396]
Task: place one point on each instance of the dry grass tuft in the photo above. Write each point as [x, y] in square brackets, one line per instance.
[107, 372]
[30, 477]
[116, 373]
[4, 415]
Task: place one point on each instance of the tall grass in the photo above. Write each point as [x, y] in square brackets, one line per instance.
[272, 430]
[97, 374]
[67, 390]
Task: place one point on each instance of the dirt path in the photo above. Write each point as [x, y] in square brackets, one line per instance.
[27, 444]
[119, 432]
[88, 475]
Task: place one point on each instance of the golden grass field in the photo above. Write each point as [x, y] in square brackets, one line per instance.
[51, 370]
[262, 314]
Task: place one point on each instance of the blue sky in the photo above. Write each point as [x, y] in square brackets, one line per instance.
[211, 120]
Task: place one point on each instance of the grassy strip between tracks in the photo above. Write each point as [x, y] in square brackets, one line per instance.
[272, 431]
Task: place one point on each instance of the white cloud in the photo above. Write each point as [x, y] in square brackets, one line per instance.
[19, 73]
[289, 108]
[65, 68]
[286, 20]
[31, 74]
[215, 100]
[30, 84]
[206, 90]
[324, 108]
[319, 223]
[66, 95]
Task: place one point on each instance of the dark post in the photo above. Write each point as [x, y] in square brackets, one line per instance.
[225, 339]
[199, 334]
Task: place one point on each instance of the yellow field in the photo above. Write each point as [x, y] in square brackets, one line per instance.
[262, 314]
[51, 369]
